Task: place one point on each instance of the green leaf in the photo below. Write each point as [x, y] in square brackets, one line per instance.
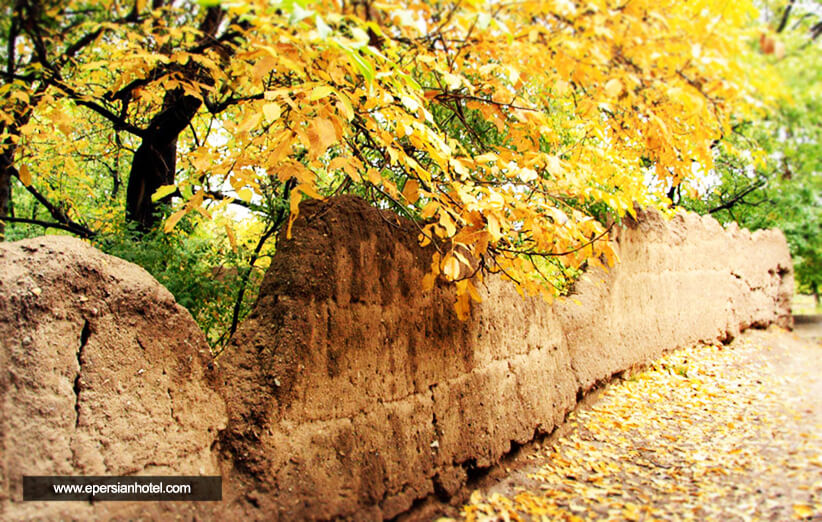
[163, 191]
[364, 67]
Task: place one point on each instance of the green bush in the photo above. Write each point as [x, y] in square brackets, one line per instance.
[199, 269]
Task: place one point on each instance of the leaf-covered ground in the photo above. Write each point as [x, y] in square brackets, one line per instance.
[709, 433]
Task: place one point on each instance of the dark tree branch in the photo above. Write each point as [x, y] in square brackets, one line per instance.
[217, 195]
[208, 27]
[446, 95]
[11, 48]
[278, 222]
[158, 72]
[77, 46]
[727, 205]
[217, 108]
[119, 123]
[56, 212]
[31, 24]
[785, 15]
[82, 232]
[555, 254]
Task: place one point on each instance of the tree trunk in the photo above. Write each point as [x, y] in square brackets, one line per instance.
[155, 160]
[5, 192]
[152, 167]
[7, 150]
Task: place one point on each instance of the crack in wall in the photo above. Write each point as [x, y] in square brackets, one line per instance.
[170, 404]
[85, 333]
[434, 412]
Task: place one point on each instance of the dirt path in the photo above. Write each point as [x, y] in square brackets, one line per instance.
[711, 433]
[809, 327]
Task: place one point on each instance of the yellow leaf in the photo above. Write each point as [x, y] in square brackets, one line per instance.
[173, 219]
[249, 122]
[21, 96]
[613, 88]
[552, 163]
[162, 192]
[25, 175]
[309, 190]
[245, 194]
[345, 108]
[451, 267]
[339, 162]
[429, 210]
[231, 239]
[486, 158]
[493, 227]
[294, 200]
[411, 191]
[280, 153]
[527, 175]
[272, 111]
[263, 67]
[410, 103]
[62, 121]
[374, 177]
[390, 188]
[459, 168]
[448, 224]
[319, 92]
[321, 134]
[561, 88]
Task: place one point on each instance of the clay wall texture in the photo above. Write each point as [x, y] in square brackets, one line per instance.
[101, 373]
[351, 392]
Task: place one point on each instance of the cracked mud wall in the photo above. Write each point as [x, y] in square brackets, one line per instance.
[351, 392]
[101, 373]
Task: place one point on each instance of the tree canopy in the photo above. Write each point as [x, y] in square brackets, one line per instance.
[514, 133]
[770, 168]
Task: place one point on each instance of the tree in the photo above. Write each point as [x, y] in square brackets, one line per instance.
[513, 134]
[770, 169]
[54, 49]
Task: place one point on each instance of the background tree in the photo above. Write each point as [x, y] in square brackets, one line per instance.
[770, 168]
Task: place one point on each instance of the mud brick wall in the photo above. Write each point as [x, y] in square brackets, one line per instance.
[101, 373]
[351, 392]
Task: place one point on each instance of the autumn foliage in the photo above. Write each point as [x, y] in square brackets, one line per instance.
[514, 133]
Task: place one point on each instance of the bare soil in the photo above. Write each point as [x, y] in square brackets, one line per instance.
[809, 326]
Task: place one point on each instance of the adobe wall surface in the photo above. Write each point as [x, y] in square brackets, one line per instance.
[351, 392]
[101, 373]
[348, 392]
